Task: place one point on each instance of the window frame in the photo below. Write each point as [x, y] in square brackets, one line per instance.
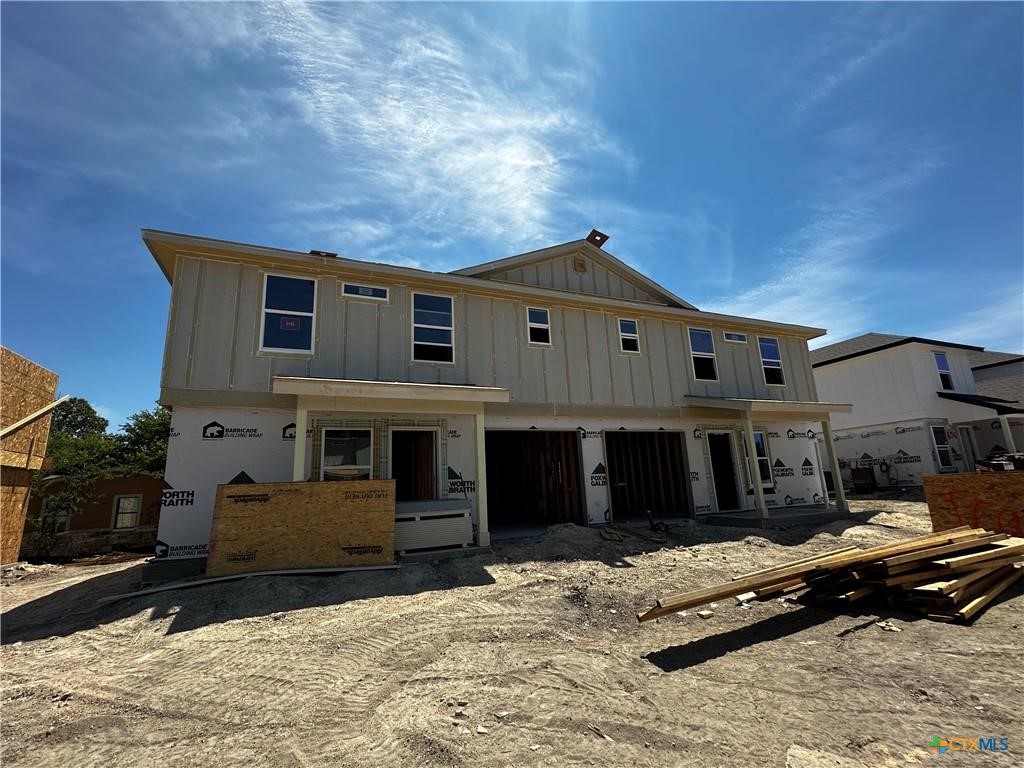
[385, 299]
[947, 446]
[767, 458]
[323, 451]
[948, 372]
[414, 325]
[725, 337]
[312, 315]
[623, 335]
[693, 354]
[138, 514]
[546, 326]
[764, 361]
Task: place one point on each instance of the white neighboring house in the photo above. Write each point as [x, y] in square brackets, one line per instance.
[920, 406]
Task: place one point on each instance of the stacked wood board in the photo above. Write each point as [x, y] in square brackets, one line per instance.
[947, 576]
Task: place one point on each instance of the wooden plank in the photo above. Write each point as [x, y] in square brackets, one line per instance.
[277, 526]
[948, 586]
[802, 560]
[1001, 549]
[781, 588]
[945, 549]
[978, 604]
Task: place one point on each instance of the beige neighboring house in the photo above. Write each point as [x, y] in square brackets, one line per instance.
[920, 406]
[559, 385]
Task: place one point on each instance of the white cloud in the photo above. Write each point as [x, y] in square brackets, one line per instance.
[996, 322]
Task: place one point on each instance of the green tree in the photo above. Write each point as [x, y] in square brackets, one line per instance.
[76, 418]
[142, 441]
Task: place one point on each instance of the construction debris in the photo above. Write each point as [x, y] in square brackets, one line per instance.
[948, 576]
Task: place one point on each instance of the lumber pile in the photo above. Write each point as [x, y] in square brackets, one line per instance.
[947, 576]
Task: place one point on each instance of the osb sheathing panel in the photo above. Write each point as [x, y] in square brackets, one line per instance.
[14, 488]
[24, 388]
[279, 526]
[992, 500]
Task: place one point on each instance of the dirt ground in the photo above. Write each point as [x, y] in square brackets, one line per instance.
[527, 656]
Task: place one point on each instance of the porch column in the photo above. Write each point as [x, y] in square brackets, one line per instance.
[755, 474]
[833, 463]
[483, 538]
[1007, 434]
[299, 455]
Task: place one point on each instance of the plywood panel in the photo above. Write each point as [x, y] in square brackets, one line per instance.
[24, 388]
[991, 500]
[213, 344]
[14, 492]
[279, 526]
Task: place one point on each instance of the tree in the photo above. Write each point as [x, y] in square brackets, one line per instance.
[76, 418]
[141, 446]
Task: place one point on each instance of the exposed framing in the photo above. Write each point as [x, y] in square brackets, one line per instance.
[312, 315]
[413, 325]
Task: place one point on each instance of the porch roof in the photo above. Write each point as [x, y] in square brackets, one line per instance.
[768, 407]
[1000, 406]
[387, 390]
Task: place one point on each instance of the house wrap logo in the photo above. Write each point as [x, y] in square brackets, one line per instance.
[217, 431]
[900, 429]
[873, 433]
[807, 468]
[288, 432]
[457, 485]
[162, 550]
[599, 476]
[172, 498]
[810, 434]
[781, 470]
[791, 500]
[902, 457]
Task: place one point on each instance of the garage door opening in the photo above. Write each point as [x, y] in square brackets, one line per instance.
[646, 473]
[533, 478]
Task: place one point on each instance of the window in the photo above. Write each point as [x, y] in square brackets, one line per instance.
[126, 511]
[347, 454]
[943, 450]
[764, 462]
[289, 306]
[364, 291]
[629, 336]
[734, 336]
[945, 375]
[702, 347]
[771, 360]
[538, 326]
[432, 329]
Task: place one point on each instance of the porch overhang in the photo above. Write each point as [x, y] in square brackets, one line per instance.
[359, 394]
[999, 406]
[810, 410]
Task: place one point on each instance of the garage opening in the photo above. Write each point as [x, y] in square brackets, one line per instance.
[646, 473]
[533, 478]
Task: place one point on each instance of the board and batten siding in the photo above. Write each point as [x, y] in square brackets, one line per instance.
[560, 273]
[214, 333]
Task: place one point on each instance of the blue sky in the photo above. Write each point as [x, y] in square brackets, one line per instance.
[856, 167]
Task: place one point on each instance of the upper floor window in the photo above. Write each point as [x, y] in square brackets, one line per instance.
[364, 291]
[629, 335]
[702, 352]
[945, 374]
[735, 336]
[538, 325]
[432, 328]
[289, 314]
[771, 360]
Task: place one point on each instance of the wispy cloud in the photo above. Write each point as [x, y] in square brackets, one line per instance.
[830, 272]
[995, 322]
[847, 49]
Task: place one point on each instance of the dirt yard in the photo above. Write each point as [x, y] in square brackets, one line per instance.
[527, 656]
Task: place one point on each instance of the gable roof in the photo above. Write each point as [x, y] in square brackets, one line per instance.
[867, 343]
[986, 359]
[592, 251]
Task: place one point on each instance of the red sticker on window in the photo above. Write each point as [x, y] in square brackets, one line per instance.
[289, 323]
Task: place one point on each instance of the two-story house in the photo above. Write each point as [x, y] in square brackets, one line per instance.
[558, 385]
[917, 406]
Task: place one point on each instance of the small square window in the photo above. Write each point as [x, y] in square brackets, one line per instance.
[364, 291]
[538, 326]
[734, 336]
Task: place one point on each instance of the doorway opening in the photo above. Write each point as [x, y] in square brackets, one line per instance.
[647, 472]
[723, 470]
[414, 464]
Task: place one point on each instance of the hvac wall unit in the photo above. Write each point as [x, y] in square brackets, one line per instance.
[426, 525]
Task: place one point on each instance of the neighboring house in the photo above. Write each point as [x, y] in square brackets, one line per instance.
[920, 406]
[559, 385]
[26, 402]
[120, 513]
